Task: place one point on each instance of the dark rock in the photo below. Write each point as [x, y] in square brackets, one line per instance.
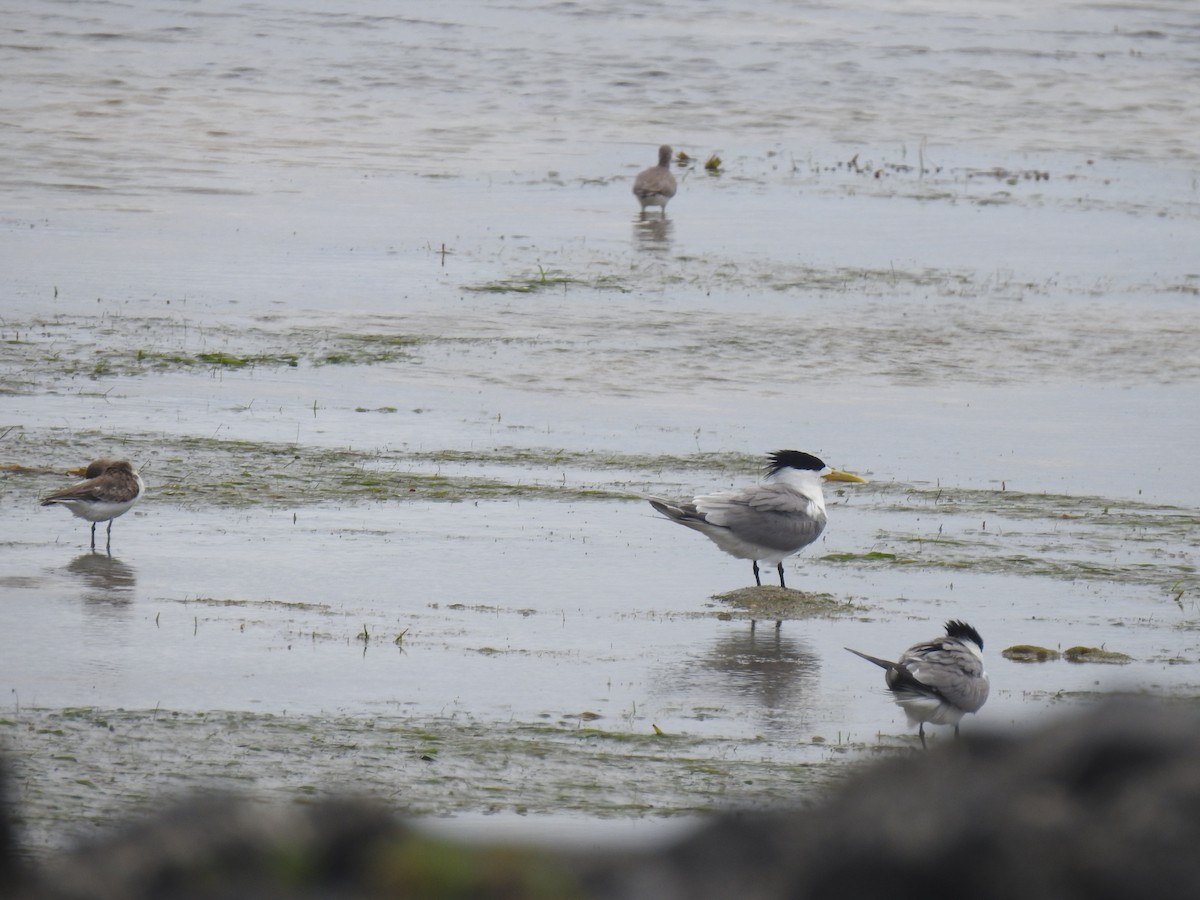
[1104, 804]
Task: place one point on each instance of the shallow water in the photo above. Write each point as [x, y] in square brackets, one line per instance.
[951, 251]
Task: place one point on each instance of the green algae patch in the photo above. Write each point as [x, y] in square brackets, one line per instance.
[240, 473]
[443, 765]
[772, 602]
[248, 473]
[544, 279]
[809, 278]
[1095, 655]
[1002, 503]
[871, 556]
[1006, 532]
[367, 349]
[297, 606]
[230, 361]
[1029, 653]
[102, 347]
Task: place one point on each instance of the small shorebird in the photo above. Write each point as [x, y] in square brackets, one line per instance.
[938, 681]
[768, 521]
[656, 185]
[110, 489]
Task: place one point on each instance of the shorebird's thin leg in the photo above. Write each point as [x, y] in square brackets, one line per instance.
[956, 731]
[757, 580]
[921, 731]
[781, 584]
[108, 543]
[93, 535]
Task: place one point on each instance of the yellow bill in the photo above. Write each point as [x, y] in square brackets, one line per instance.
[838, 475]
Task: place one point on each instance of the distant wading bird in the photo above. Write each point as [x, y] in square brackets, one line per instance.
[656, 185]
[111, 489]
[939, 681]
[768, 521]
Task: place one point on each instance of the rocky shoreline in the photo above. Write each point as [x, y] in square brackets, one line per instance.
[1099, 803]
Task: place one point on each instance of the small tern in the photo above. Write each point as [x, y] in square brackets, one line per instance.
[769, 521]
[938, 681]
[111, 488]
[656, 185]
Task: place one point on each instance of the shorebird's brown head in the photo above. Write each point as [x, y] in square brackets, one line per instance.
[98, 467]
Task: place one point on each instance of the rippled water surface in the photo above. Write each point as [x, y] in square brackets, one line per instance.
[366, 298]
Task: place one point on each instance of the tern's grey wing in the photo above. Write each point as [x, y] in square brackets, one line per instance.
[768, 515]
[687, 514]
[951, 669]
[780, 498]
[684, 513]
[693, 517]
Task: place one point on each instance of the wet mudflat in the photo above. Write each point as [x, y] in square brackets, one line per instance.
[537, 656]
[397, 413]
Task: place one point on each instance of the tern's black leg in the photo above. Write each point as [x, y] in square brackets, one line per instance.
[921, 731]
[93, 535]
[757, 580]
[781, 584]
[778, 624]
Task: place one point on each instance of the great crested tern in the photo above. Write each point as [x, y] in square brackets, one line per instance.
[938, 681]
[768, 521]
[111, 488]
[656, 185]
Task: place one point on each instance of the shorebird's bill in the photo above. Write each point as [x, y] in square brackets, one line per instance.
[839, 475]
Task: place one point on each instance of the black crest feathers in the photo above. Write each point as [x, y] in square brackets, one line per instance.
[964, 632]
[793, 459]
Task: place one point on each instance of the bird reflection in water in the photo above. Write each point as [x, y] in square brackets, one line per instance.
[653, 233]
[778, 671]
[105, 578]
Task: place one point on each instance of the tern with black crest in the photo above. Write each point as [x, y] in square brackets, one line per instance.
[938, 681]
[110, 488]
[768, 521]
